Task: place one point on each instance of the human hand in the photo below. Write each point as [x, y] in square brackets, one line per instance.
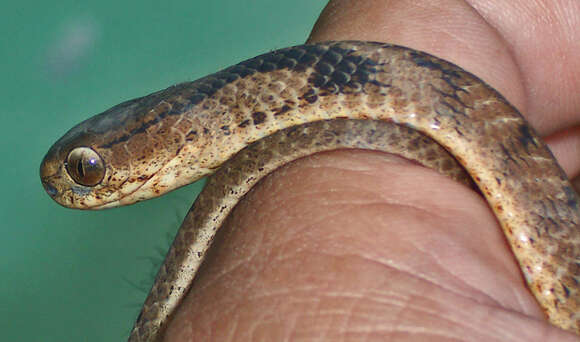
[354, 245]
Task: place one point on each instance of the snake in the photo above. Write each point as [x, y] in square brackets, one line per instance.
[242, 123]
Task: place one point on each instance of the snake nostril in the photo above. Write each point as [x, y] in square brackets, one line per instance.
[50, 190]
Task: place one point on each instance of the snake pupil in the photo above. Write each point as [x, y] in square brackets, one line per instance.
[80, 171]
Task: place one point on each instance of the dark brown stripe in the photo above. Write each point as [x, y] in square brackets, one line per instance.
[335, 70]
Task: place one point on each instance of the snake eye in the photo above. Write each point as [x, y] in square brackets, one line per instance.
[85, 166]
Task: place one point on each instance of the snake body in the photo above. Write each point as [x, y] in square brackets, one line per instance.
[296, 101]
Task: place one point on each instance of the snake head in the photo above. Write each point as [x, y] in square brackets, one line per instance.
[131, 152]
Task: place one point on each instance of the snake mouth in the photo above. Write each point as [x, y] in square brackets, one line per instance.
[47, 173]
[50, 190]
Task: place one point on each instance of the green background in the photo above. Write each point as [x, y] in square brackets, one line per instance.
[69, 275]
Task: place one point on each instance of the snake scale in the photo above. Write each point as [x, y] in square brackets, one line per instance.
[269, 110]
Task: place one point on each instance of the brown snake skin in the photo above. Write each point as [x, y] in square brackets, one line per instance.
[310, 98]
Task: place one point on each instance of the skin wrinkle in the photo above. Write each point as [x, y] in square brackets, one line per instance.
[283, 292]
[458, 320]
[278, 243]
[454, 320]
[255, 329]
[313, 191]
[298, 318]
[233, 330]
[474, 292]
[472, 288]
[225, 273]
[422, 277]
[330, 316]
[351, 209]
[471, 284]
[345, 315]
[337, 318]
[351, 195]
[408, 306]
[413, 329]
[435, 214]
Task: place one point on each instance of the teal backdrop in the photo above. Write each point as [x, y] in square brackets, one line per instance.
[69, 275]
